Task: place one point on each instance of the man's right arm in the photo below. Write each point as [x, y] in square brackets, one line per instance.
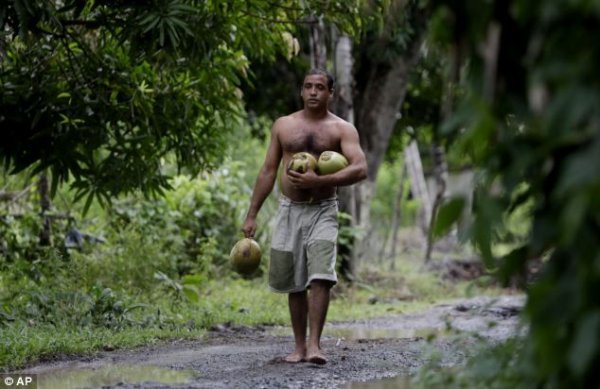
[265, 180]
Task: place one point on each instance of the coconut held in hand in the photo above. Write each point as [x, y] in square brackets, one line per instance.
[302, 162]
[331, 162]
[245, 256]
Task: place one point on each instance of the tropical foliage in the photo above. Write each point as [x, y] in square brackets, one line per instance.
[109, 97]
[101, 92]
[529, 120]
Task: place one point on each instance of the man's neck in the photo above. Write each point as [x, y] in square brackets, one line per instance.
[315, 114]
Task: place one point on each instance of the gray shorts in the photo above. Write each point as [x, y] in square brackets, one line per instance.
[303, 247]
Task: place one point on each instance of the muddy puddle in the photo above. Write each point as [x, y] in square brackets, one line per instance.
[111, 375]
[400, 382]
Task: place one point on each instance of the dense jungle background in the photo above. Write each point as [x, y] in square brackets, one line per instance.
[131, 134]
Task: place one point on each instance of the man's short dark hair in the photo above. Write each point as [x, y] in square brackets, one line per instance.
[323, 72]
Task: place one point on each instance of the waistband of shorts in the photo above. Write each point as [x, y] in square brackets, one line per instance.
[283, 200]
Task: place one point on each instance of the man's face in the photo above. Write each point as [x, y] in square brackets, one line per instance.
[315, 92]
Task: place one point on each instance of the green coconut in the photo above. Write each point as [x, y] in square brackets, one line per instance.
[245, 256]
[301, 162]
[330, 162]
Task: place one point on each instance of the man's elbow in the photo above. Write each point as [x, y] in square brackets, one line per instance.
[362, 172]
[268, 171]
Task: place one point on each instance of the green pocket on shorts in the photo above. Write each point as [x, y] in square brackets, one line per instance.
[281, 270]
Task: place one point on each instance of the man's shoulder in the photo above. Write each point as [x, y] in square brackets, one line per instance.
[287, 119]
[341, 123]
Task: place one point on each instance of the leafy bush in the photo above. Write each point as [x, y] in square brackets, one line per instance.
[195, 224]
[150, 248]
[498, 366]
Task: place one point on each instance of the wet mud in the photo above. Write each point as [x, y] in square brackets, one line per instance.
[375, 353]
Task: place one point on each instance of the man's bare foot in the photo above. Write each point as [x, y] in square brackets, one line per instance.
[316, 357]
[294, 357]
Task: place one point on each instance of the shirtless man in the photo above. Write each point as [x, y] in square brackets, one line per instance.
[303, 248]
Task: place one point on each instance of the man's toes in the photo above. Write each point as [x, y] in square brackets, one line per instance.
[317, 359]
[293, 358]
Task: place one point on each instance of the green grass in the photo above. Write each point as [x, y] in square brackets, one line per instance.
[409, 288]
[22, 344]
[229, 301]
[168, 315]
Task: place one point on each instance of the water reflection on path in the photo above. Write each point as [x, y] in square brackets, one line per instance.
[109, 375]
[400, 382]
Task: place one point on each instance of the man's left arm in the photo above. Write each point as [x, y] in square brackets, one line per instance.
[357, 163]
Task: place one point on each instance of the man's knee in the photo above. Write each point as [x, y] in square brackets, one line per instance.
[321, 284]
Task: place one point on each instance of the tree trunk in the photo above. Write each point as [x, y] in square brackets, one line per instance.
[44, 192]
[440, 171]
[318, 48]
[418, 186]
[440, 167]
[343, 66]
[344, 108]
[381, 82]
[363, 194]
[397, 217]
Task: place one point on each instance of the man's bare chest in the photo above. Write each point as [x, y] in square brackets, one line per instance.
[315, 141]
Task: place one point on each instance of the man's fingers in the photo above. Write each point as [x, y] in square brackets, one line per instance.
[294, 176]
[248, 232]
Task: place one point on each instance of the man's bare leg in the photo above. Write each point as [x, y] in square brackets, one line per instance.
[298, 311]
[318, 303]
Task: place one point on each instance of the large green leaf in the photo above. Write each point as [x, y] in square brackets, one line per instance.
[448, 214]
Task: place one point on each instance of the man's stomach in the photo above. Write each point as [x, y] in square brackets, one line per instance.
[316, 194]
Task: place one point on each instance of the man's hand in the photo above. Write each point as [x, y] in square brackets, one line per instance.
[249, 227]
[307, 180]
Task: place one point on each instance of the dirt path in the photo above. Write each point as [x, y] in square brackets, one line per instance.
[242, 357]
